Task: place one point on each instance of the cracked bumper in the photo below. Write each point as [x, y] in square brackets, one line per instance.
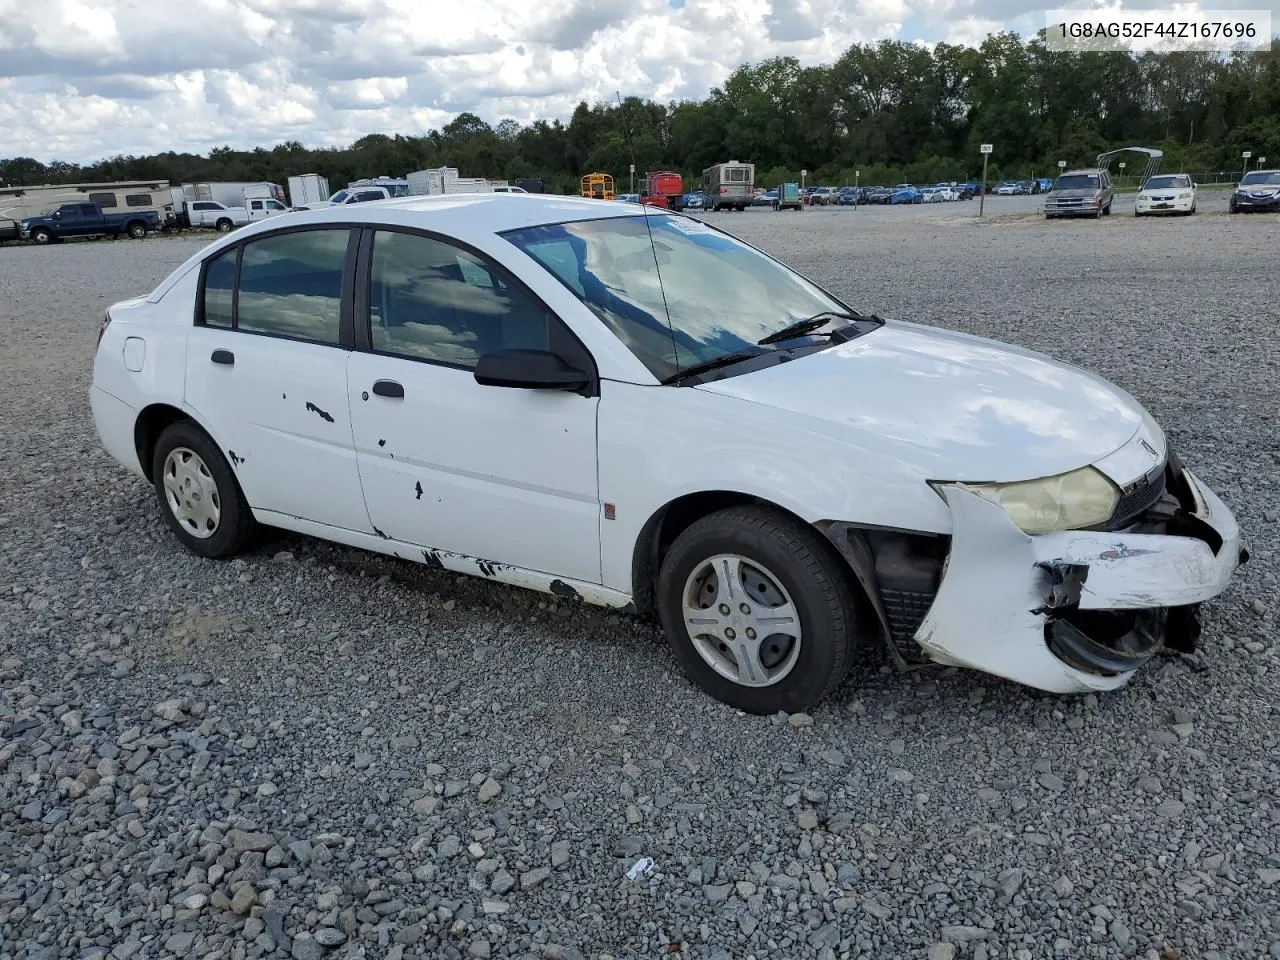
[1023, 607]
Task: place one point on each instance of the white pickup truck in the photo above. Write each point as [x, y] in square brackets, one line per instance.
[211, 213]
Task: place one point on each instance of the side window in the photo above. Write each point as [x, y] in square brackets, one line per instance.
[137, 199]
[273, 205]
[104, 200]
[429, 300]
[219, 276]
[291, 285]
[88, 210]
[256, 204]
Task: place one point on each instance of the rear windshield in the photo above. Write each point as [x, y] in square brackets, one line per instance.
[1077, 181]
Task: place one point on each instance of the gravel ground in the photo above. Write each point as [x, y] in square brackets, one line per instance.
[311, 751]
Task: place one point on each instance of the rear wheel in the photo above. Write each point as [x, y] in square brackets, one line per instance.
[223, 226]
[137, 230]
[758, 610]
[199, 495]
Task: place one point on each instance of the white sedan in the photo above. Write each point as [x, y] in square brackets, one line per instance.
[1168, 193]
[631, 408]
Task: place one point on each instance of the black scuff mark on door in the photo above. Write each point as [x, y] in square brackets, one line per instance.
[318, 412]
[417, 488]
[382, 443]
[284, 396]
[236, 461]
[432, 559]
[381, 534]
[562, 589]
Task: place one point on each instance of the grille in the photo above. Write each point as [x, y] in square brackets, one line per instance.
[1138, 499]
[905, 611]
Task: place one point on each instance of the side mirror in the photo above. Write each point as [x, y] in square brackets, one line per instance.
[529, 370]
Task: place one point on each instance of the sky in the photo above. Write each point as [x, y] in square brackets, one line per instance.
[84, 79]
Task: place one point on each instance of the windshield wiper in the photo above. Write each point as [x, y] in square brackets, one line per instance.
[712, 364]
[807, 325]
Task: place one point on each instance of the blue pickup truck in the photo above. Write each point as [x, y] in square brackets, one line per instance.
[87, 220]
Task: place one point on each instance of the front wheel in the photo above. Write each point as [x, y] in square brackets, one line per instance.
[41, 236]
[199, 495]
[758, 610]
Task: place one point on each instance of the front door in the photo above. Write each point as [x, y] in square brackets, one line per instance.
[500, 474]
[267, 374]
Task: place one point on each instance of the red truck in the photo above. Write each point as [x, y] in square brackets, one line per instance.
[663, 188]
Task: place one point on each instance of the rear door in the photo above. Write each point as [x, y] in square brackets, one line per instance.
[267, 371]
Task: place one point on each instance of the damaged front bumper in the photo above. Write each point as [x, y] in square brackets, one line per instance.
[1078, 610]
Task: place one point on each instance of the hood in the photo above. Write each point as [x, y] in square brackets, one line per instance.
[948, 405]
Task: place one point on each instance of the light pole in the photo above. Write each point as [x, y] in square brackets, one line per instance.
[803, 174]
[857, 174]
[985, 150]
[1247, 154]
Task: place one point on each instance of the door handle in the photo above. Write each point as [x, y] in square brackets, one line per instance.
[223, 356]
[388, 388]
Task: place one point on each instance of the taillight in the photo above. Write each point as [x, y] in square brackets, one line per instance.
[106, 319]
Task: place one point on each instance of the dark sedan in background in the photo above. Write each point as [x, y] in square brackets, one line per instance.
[1257, 191]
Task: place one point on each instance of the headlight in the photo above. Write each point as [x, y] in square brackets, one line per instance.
[1185, 196]
[1069, 501]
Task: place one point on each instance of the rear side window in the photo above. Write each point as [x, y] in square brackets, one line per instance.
[105, 200]
[138, 200]
[219, 278]
[291, 285]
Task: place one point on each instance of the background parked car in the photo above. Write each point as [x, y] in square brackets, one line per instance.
[1257, 190]
[905, 193]
[693, 201]
[765, 198]
[1087, 192]
[1167, 193]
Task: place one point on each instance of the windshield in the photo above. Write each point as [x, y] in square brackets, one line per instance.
[1269, 177]
[1167, 183]
[339, 197]
[1077, 181]
[681, 296]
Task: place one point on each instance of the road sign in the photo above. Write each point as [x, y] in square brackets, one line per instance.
[1062, 164]
[633, 168]
[985, 148]
[1247, 154]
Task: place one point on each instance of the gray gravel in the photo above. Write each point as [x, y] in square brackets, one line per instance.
[315, 752]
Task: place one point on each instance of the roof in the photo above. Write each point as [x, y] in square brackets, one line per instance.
[463, 214]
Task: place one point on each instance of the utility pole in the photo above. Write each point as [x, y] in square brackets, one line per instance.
[985, 149]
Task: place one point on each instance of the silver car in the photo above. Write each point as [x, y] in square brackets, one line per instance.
[1076, 193]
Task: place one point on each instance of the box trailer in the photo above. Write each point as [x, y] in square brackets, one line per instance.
[441, 180]
[307, 188]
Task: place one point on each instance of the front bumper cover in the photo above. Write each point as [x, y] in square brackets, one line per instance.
[1033, 608]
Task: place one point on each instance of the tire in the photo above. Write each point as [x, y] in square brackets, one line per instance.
[41, 236]
[1231, 207]
[1106, 211]
[224, 225]
[215, 484]
[797, 563]
[137, 230]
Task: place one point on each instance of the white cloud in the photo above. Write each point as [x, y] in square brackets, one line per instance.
[83, 79]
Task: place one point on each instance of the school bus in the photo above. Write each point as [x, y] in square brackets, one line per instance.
[598, 185]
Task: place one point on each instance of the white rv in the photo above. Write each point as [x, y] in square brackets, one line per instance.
[17, 203]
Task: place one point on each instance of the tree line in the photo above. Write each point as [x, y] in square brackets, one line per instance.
[891, 111]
